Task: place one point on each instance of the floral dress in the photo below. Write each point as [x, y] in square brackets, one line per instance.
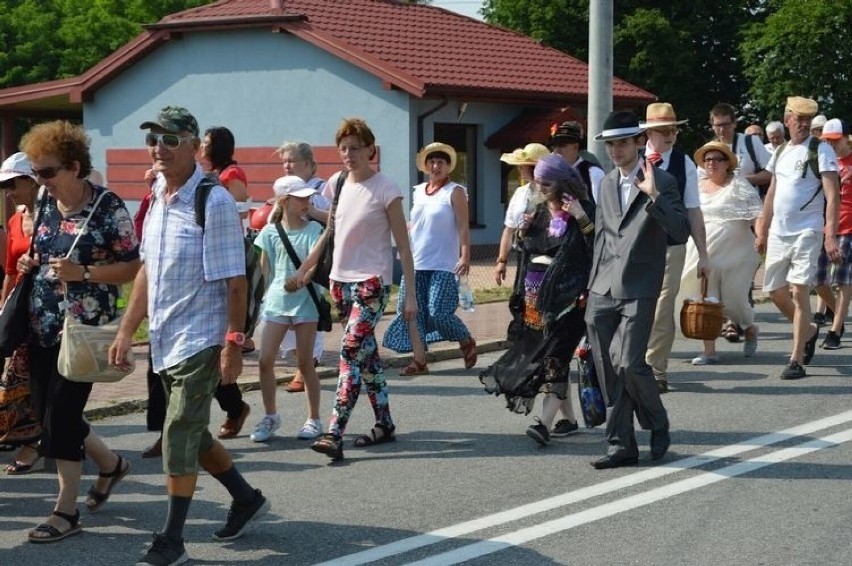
[108, 238]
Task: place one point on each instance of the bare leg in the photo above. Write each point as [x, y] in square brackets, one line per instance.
[270, 340]
[305, 336]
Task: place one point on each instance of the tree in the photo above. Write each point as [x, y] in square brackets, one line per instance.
[800, 49]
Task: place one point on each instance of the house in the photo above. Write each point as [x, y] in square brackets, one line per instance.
[275, 70]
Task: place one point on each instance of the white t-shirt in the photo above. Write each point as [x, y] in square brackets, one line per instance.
[691, 198]
[362, 234]
[517, 207]
[792, 192]
[433, 231]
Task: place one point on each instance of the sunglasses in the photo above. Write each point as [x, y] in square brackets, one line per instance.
[715, 159]
[169, 141]
[48, 172]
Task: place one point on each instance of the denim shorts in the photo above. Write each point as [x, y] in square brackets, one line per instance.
[190, 386]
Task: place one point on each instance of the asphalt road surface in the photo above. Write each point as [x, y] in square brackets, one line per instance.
[758, 474]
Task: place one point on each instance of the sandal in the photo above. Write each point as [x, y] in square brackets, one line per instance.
[731, 333]
[414, 368]
[387, 435]
[469, 352]
[54, 534]
[329, 445]
[296, 385]
[18, 468]
[95, 498]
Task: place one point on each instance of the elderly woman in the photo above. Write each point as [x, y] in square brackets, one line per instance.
[730, 205]
[19, 425]
[368, 213]
[557, 247]
[440, 246]
[297, 159]
[84, 285]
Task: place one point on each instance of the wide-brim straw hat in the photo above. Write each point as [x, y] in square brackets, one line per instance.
[659, 114]
[527, 155]
[435, 147]
[723, 148]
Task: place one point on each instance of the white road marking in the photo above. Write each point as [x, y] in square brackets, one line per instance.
[467, 527]
[547, 528]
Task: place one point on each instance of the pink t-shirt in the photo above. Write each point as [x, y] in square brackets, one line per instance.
[362, 234]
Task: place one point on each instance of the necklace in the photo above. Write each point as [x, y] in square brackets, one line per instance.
[432, 189]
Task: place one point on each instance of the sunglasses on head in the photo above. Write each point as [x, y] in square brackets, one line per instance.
[170, 141]
[48, 172]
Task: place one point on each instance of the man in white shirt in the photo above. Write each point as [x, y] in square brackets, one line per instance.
[775, 135]
[661, 130]
[799, 216]
[750, 151]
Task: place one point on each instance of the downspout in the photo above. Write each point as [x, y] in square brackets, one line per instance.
[420, 120]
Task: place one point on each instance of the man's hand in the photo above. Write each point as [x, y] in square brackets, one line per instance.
[231, 362]
[117, 354]
[648, 185]
[760, 244]
[831, 250]
[500, 273]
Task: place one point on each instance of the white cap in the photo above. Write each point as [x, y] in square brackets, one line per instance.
[291, 185]
[16, 165]
[818, 121]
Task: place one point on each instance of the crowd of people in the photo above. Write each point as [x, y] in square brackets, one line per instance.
[601, 256]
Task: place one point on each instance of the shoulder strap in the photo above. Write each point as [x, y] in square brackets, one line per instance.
[341, 178]
[297, 262]
[813, 156]
[82, 228]
[202, 191]
[734, 145]
[750, 148]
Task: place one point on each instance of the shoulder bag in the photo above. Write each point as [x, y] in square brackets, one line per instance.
[84, 349]
[324, 321]
[322, 271]
[15, 313]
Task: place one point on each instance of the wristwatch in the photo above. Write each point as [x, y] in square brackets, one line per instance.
[237, 338]
[87, 275]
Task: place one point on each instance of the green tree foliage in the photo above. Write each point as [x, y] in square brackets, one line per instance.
[750, 53]
[803, 48]
[43, 40]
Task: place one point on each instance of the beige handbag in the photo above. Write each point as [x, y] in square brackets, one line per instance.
[84, 349]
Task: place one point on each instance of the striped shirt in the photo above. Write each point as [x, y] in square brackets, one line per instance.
[187, 268]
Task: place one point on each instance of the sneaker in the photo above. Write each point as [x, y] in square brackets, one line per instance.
[538, 432]
[831, 342]
[310, 430]
[793, 371]
[164, 552]
[821, 319]
[264, 430]
[810, 348]
[239, 517]
[702, 360]
[564, 427]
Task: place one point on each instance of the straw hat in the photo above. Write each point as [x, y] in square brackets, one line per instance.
[661, 114]
[435, 147]
[801, 106]
[733, 162]
[527, 155]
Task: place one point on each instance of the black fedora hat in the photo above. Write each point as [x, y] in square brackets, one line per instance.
[567, 132]
[619, 125]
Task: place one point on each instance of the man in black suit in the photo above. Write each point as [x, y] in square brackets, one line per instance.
[639, 207]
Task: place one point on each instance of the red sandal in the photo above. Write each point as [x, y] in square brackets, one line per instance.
[414, 368]
[468, 350]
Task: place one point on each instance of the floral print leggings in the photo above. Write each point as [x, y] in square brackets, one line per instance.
[361, 304]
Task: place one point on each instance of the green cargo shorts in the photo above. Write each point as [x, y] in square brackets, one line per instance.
[190, 386]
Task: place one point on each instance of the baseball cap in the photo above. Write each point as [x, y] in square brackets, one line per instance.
[16, 165]
[291, 185]
[835, 129]
[173, 119]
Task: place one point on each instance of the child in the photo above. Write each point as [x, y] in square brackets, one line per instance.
[282, 310]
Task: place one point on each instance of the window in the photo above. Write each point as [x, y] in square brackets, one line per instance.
[463, 139]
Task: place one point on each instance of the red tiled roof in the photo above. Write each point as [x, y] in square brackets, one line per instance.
[531, 125]
[427, 50]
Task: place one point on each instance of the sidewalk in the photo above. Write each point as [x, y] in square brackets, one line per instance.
[487, 324]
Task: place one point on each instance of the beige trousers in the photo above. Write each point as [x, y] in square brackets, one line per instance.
[663, 331]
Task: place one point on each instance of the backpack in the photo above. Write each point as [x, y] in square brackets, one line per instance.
[812, 161]
[749, 143]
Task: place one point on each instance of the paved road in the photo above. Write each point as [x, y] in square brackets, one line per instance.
[758, 474]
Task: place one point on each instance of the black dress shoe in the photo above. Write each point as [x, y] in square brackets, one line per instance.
[155, 450]
[660, 442]
[615, 461]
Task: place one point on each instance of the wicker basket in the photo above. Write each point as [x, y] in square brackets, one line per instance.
[699, 319]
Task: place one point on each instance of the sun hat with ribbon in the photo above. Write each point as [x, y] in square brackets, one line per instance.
[659, 114]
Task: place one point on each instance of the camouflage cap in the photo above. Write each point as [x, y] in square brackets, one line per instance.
[173, 119]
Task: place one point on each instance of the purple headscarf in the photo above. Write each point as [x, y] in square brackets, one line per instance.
[554, 168]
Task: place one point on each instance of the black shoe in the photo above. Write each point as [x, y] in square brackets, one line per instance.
[662, 386]
[155, 450]
[564, 427]
[831, 342]
[538, 432]
[793, 371]
[810, 348]
[164, 552]
[239, 516]
[660, 442]
[615, 460]
[821, 319]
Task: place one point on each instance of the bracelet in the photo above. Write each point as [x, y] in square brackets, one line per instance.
[588, 229]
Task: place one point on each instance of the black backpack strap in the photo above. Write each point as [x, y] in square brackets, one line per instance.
[202, 191]
[813, 164]
[734, 145]
[750, 148]
[297, 262]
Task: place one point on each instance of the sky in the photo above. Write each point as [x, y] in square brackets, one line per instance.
[466, 7]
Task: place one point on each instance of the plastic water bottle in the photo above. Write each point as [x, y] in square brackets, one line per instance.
[465, 294]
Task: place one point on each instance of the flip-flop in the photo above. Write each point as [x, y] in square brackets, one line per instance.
[95, 498]
[414, 368]
[54, 534]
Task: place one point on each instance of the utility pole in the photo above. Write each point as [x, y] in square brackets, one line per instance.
[600, 74]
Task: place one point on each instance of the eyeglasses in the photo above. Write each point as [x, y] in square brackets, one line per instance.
[715, 159]
[48, 172]
[169, 141]
[350, 148]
